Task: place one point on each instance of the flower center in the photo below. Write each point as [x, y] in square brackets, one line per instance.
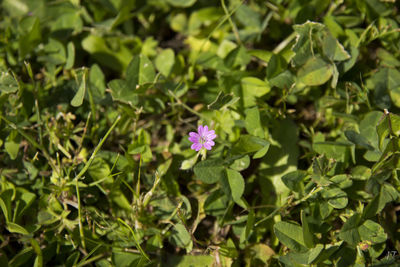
[202, 139]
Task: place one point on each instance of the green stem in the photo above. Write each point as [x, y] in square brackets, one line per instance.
[234, 28]
[89, 162]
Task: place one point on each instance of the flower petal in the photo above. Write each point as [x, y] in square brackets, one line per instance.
[194, 134]
[194, 139]
[211, 137]
[205, 130]
[200, 130]
[207, 146]
[196, 146]
[211, 143]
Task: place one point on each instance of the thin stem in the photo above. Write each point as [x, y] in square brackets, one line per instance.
[183, 104]
[135, 238]
[80, 215]
[284, 43]
[89, 162]
[234, 28]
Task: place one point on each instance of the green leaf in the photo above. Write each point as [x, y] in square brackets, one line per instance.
[223, 101]
[165, 61]
[333, 49]
[386, 87]
[253, 122]
[16, 228]
[97, 46]
[97, 85]
[315, 71]
[181, 237]
[253, 87]
[140, 71]
[307, 233]
[12, 147]
[372, 232]
[291, 235]
[241, 164]
[30, 35]
[389, 125]
[349, 231]
[189, 260]
[8, 84]
[236, 184]
[237, 57]
[216, 203]
[276, 65]
[70, 56]
[335, 197]
[293, 180]
[209, 171]
[303, 47]
[337, 150]
[387, 194]
[249, 144]
[121, 91]
[80, 94]
[181, 3]
[358, 139]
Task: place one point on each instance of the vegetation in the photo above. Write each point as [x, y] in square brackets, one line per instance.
[97, 100]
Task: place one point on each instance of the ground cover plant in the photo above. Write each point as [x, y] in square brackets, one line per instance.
[199, 133]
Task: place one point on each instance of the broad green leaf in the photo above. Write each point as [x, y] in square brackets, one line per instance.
[307, 233]
[293, 180]
[303, 47]
[333, 49]
[181, 3]
[390, 124]
[97, 85]
[121, 91]
[358, 139]
[372, 232]
[165, 61]
[236, 184]
[16, 228]
[30, 35]
[24, 200]
[349, 231]
[387, 194]
[337, 150]
[209, 171]
[181, 237]
[216, 203]
[237, 57]
[386, 87]
[70, 56]
[253, 122]
[254, 86]
[140, 71]
[222, 101]
[241, 164]
[281, 158]
[189, 260]
[335, 197]
[276, 65]
[249, 144]
[12, 148]
[387, 59]
[315, 71]
[125, 259]
[8, 84]
[291, 235]
[80, 94]
[97, 46]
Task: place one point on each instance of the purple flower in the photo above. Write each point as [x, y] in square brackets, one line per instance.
[204, 138]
